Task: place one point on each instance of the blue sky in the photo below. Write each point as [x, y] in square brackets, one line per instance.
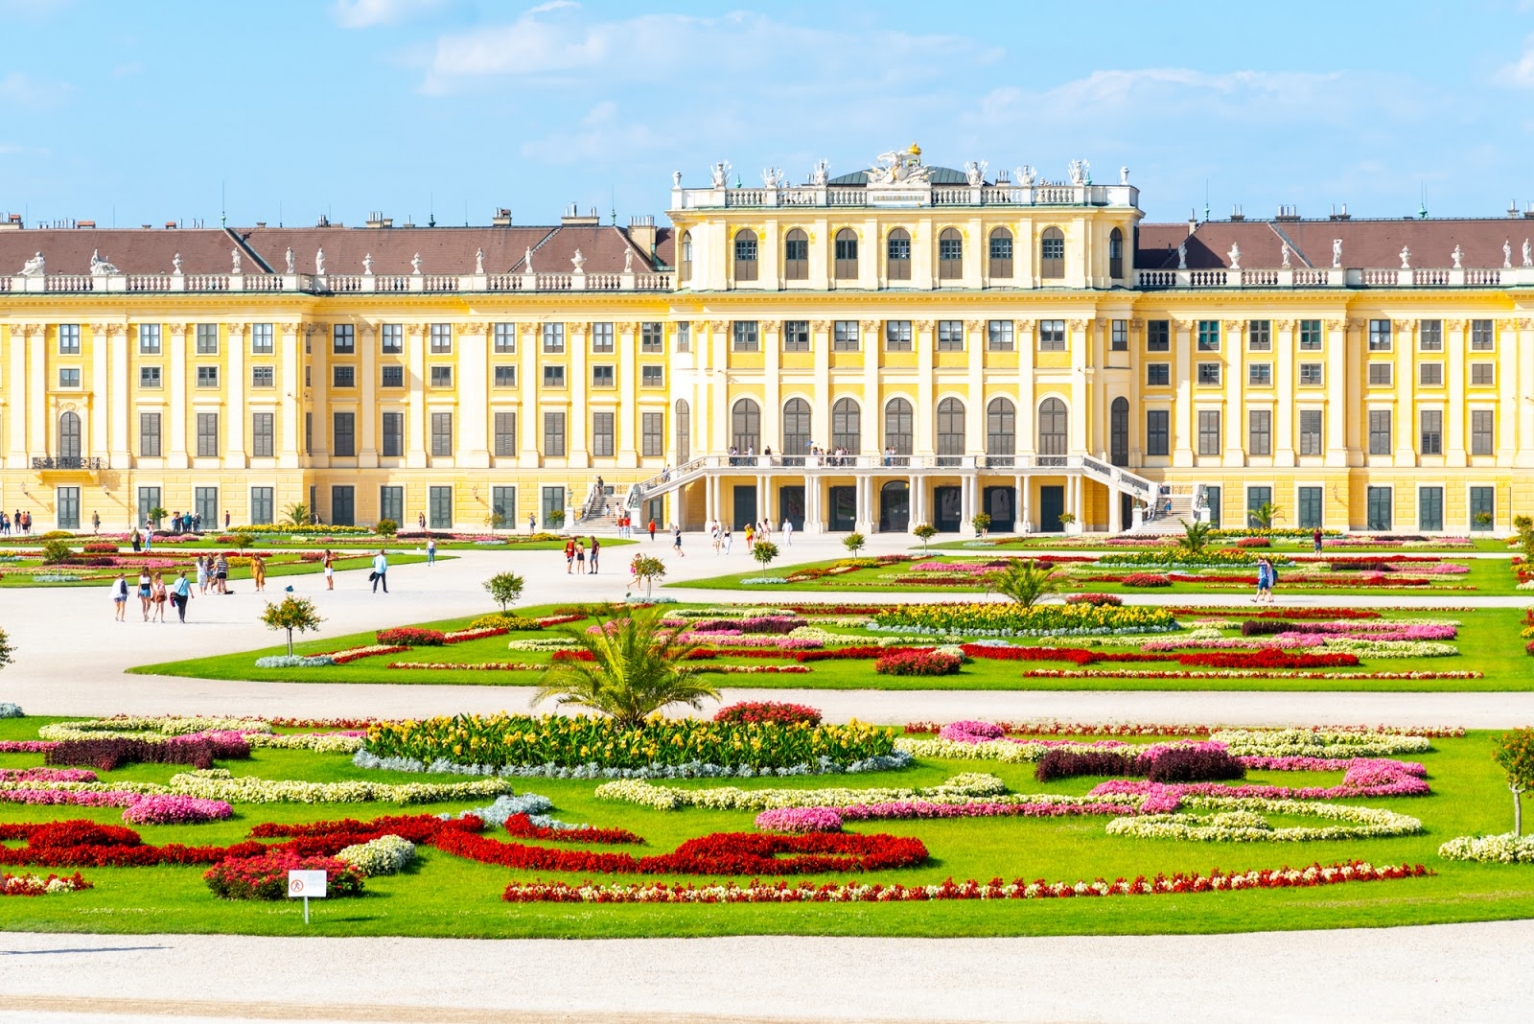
[139, 113]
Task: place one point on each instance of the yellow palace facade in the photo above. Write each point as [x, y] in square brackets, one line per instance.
[903, 344]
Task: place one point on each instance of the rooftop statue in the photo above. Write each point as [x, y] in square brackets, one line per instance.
[676, 179]
[367, 264]
[479, 261]
[1528, 256]
[1336, 253]
[720, 174]
[974, 172]
[1182, 255]
[628, 261]
[175, 264]
[820, 173]
[1025, 176]
[37, 266]
[100, 267]
[1507, 254]
[319, 263]
[527, 261]
[415, 264]
[1081, 172]
[773, 177]
[1458, 256]
[1234, 256]
[1405, 257]
[234, 256]
[1285, 253]
[288, 259]
[900, 167]
[1124, 175]
[579, 262]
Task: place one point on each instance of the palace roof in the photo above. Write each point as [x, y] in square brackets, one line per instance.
[1365, 243]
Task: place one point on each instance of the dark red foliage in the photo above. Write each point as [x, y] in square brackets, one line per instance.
[110, 754]
[1189, 764]
[1064, 764]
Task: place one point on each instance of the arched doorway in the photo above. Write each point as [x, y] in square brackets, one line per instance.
[895, 507]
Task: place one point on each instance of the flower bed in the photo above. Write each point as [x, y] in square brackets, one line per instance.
[386, 855]
[483, 666]
[799, 820]
[217, 784]
[35, 885]
[918, 663]
[1145, 579]
[524, 827]
[1502, 849]
[994, 619]
[1095, 673]
[110, 754]
[157, 809]
[1240, 820]
[412, 636]
[266, 878]
[1100, 600]
[1369, 779]
[777, 712]
[731, 798]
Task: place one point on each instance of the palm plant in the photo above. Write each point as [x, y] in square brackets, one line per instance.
[1024, 581]
[636, 667]
[1195, 536]
[296, 514]
[1263, 516]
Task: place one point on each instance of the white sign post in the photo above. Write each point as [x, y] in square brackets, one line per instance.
[306, 884]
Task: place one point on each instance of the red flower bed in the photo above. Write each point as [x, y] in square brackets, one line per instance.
[521, 826]
[32, 885]
[412, 636]
[1267, 657]
[835, 609]
[777, 712]
[918, 663]
[100, 548]
[1279, 613]
[1146, 579]
[418, 828]
[1254, 542]
[342, 657]
[1074, 655]
[87, 844]
[266, 878]
[864, 653]
[1095, 600]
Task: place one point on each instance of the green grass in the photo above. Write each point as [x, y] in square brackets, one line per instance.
[446, 896]
[1488, 641]
[1061, 542]
[99, 577]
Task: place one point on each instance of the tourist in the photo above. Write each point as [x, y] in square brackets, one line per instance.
[148, 540]
[750, 536]
[203, 571]
[1264, 581]
[138, 541]
[1272, 578]
[676, 540]
[718, 535]
[532, 523]
[729, 539]
[580, 557]
[380, 572]
[652, 528]
[431, 551]
[1315, 541]
[328, 560]
[420, 520]
[221, 573]
[144, 590]
[569, 556]
[96, 523]
[788, 532]
[226, 519]
[157, 599]
[196, 522]
[180, 594]
[596, 549]
[258, 572]
[120, 597]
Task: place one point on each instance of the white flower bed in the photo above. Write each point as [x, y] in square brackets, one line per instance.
[541, 643]
[1320, 743]
[295, 661]
[319, 742]
[1393, 648]
[730, 798]
[1504, 849]
[136, 726]
[592, 770]
[1239, 821]
[218, 784]
[386, 855]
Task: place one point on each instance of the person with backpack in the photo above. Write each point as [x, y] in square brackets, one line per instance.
[1315, 541]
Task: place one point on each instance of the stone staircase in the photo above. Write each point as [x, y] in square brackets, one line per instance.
[1160, 522]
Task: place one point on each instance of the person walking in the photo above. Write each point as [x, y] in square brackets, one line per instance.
[1315, 541]
[420, 520]
[596, 549]
[729, 539]
[258, 572]
[221, 573]
[676, 541]
[569, 556]
[203, 571]
[1262, 581]
[96, 523]
[329, 561]
[180, 594]
[532, 523]
[380, 571]
[652, 529]
[431, 551]
[120, 598]
[788, 532]
[144, 588]
[1272, 578]
[157, 599]
[226, 519]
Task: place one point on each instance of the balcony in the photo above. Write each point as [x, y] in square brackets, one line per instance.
[876, 197]
[67, 463]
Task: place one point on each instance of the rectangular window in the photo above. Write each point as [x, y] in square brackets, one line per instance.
[69, 339]
[439, 508]
[1483, 508]
[844, 336]
[1430, 335]
[1380, 336]
[1119, 337]
[1483, 424]
[344, 439]
[1311, 425]
[1483, 375]
[393, 377]
[553, 337]
[1259, 375]
[1430, 375]
[684, 337]
[505, 338]
[393, 437]
[1311, 511]
[69, 376]
[441, 339]
[343, 339]
[149, 434]
[553, 504]
[391, 503]
[1215, 502]
[503, 507]
[148, 339]
[205, 504]
[441, 433]
[1209, 374]
[343, 376]
[505, 433]
[1256, 497]
[1378, 511]
[207, 376]
[1259, 335]
[1311, 375]
[505, 376]
[149, 377]
[441, 376]
[1158, 336]
[262, 426]
[263, 505]
[207, 339]
[148, 501]
[950, 335]
[207, 435]
[897, 336]
[999, 335]
[652, 337]
[602, 338]
[263, 377]
[604, 376]
[652, 434]
[1482, 336]
[1259, 432]
[602, 444]
[1158, 375]
[343, 505]
[796, 336]
[1379, 431]
[1209, 432]
[1380, 374]
[1157, 431]
[1432, 432]
[746, 336]
[554, 433]
[391, 339]
[1051, 335]
[262, 339]
[1310, 335]
[1209, 335]
[652, 376]
[1430, 508]
[553, 376]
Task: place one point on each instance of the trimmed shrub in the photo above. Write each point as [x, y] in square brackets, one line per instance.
[411, 636]
[1194, 764]
[110, 754]
[515, 623]
[918, 663]
[1146, 579]
[1063, 764]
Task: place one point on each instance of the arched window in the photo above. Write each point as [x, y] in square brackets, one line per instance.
[950, 427]
[899, 426]
[1118, 432]
[846, 255]
[796, 428]
[1054, 427]
[898, 254]
[1052, 254]
[1115, 253]
[796, 256]
[950, 255]
[846, 426]
[683, 432]
[1000, 427]
[745, 255]
[746, 426]
[1001, 254]
[69, 436]
[687, 256]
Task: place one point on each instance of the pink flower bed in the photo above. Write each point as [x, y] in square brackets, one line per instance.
[799, 819]
[908, 809]
[1365, 777]
[26, 746]
[47, 775]
[734, 638]
[175, 810]
[53, 797]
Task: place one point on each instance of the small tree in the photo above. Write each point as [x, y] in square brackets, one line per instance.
[504, 588]
[1025, 581]
[924, 532]
[1265, 515]
[646, 569]
[1195, 536]
[1525, 527]
[981, 522]
[1484, 520]
[386, 528]
[7, 651]
[1515, 753]
[854, 543]
[293, 613]
[156, 514]
[56, 551]
[764, 551]
[1067, 518]
[495, 520]
[296, 514]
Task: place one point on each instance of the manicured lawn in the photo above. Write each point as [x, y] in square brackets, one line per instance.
[1488, 642]
[443, 895]
[100, 577]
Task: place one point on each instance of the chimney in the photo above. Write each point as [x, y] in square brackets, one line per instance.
[85, 224]
[502, 218]
[12, 222]
[1192, 221]
[376, 219]
[573, 219]
[1236, 215]
[642, 234]
[1288, 213]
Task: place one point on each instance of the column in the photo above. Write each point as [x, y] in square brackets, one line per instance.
[1027, 405]
[234, 392]
[915, 516]
[974, 422]
[103, 399]
[415, 380]
[1338, 411]
[1182, 377]
[1405, 389]
[1455, 410]
[1024, 485]
[871, 438]
[627, 425]
[1235, 408]
[1115, 511]
[176, 455]
[1080, 406]
[318, 351]
[924, 443]
[473, 440]
[1284, 358]
[966, 500]
[367, 416]
[121, 439]
[292, 399]
[761, 497]
[865, 493]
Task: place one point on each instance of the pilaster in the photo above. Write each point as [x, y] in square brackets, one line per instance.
[176, 457]
[925, 441]
[415, 384]
[1406, 395]
[1233, 344]
[472, 421]
[1284, 356]
[1182, 370]
[627, 441]
[1455, 410]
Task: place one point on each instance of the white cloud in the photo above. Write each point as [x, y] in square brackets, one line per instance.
[602, 134]
[1521, 72]
[30, 93]
[369, 13]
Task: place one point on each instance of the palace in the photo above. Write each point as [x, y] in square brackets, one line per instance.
[903, 344]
